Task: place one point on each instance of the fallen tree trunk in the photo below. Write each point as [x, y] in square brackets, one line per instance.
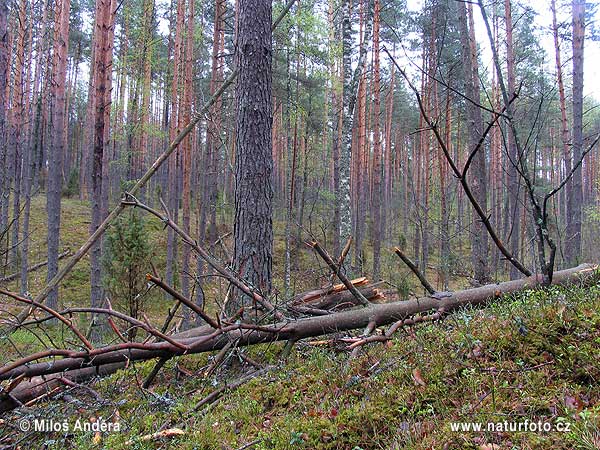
[204, 339]
[33, 268]
[38, 387]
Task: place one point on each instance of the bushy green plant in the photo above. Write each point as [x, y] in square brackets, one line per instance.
[72, 187]
[126, 257]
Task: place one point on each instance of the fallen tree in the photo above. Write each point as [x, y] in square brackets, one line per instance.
[206, 339]
[33, 268]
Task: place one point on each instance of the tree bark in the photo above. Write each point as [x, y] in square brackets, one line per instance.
[575, 194]
[377, 168]
[253, 226]
[514, 216]
[478, 176]
[4, 75]
[101, 46]
[175, 119]
[188, 95]
[61, 43]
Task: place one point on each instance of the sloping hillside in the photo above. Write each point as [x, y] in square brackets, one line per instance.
[530, 359]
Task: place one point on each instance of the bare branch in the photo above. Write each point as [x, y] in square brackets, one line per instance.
[411, 265]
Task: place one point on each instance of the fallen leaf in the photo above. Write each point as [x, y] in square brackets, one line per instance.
[573, 402]
[418, 377]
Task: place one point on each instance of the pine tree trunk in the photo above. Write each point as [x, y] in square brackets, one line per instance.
[477, 174]
[174, 120]
[377, 169]
[61, 42]
[253, 226]
[514, 216]
[4, 75]
[575, 194]
[17, 124]
[101, 46]
[387, 163]
[187, 151]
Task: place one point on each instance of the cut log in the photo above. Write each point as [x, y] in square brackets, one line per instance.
[204, 339]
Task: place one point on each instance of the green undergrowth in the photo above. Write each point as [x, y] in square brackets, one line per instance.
[532, 357]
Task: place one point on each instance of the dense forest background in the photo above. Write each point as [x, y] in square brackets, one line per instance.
[274, 225]
[378, 111]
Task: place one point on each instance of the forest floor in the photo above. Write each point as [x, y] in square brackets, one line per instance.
[531, 358]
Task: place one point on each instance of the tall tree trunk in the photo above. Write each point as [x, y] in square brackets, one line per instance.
[514, 216]
[187, 150]
[342, 191]
[478, 173]
[336, 114]
[575, 194]
[175, 119]
[253, 226]
[18, 129]
[215, 124]
[61, 42]
[211, 157]
[4, 75]
[29, 151]
[387, 163]
[377, 191]
[101, 47]
[445, 213]
[349, 94]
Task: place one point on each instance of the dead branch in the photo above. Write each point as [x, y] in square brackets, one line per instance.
[159, 365]
[411, 265]
[217, 394]
[462, 175]
[212, 261]
[14, 276]
[187, 302]
[50, 311]
[342, 257]
[246, 334]
[111, 312]
[337, 270]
